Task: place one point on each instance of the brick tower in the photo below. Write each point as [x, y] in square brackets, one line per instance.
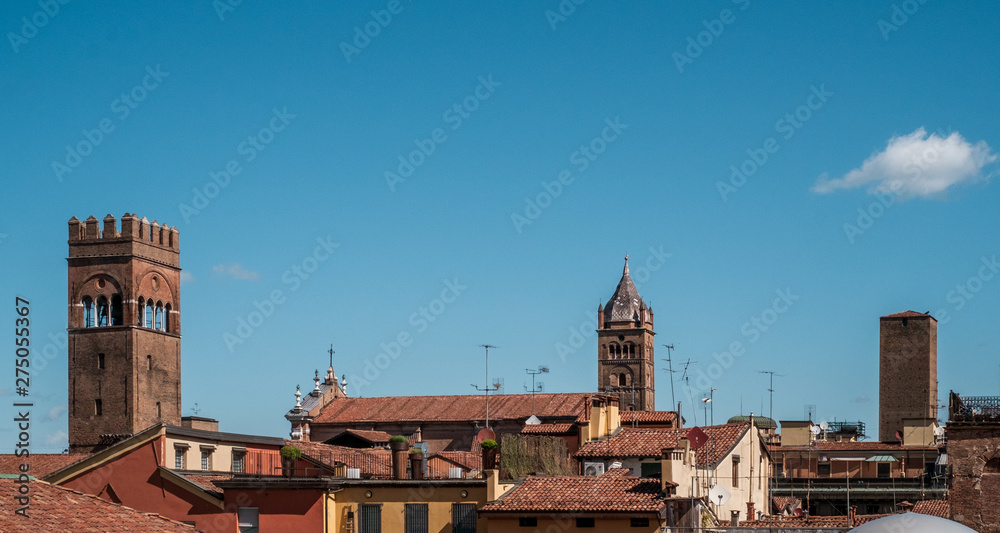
[124, 329]
[625, 364]
[907, 384]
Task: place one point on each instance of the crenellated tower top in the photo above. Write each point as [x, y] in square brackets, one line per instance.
[94, 238]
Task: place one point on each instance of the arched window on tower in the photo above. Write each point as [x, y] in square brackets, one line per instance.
[142, 311]
[116, 310]
[102, 311]
[629, 350]
[159, 316]
[149, 314]
[623, 380]
[88, 312]
[166, 317]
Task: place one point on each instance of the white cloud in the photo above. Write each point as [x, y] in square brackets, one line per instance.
[59, 437]
[187, 277]
[54, 413]
[235, 271]
[917, 164]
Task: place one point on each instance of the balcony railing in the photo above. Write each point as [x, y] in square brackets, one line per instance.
[832, 486]
[973, 408]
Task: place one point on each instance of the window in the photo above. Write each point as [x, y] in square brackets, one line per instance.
[238, 460]
[88, 312]
[371, 518]
[102, 312]
[463, 517]
[116, 310]
[884, 469]
[100, 360]
[158, 410]
[651, 469]
[149, 314]
[142, 311]
[179, 458]
[823, 469]
[639, 522]
[98, 408]
[736, 471]
[248, 519]
[622, 380]
[206, 459]
[415, 518]
[166, 317]
[585, 521]
[527, 521]
[149, 362]
[158, 324]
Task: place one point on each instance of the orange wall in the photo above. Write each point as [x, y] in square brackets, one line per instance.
[279, 510]
[134, 478]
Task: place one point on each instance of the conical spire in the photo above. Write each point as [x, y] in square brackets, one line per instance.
[625, 303]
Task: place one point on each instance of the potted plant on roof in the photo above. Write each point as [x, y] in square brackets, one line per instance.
[399, 445]
[289, 456]
[417, 463]
[489, 447]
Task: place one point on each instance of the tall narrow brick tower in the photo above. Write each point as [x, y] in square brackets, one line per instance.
[907, 371]
[625, 364]
[124, 329]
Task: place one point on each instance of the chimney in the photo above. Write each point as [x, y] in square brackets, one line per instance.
[400, 450]
[751, 513]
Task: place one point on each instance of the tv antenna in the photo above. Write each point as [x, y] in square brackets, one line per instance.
[670, 369]
[687, 384]
[195, 409]
[488, 387]
[541, 370]
[770, 390]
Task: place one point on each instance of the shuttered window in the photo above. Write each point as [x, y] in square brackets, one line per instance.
[463, 518]
[415, 515]
[371, 518]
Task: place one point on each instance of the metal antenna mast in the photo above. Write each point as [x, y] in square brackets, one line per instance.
[487, 388]
[541, 370]
[687, 383]
[770, 390]
[670, 368]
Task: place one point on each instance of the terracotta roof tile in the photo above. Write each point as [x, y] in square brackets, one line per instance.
[373, 462]
[611, 492]
[55, 508]
[549, 429]
[937, 508]
[649, 442]
[852, 446]
[645, 417]
[373, 436]
[450, 408]
[41, 464]
[811, 522]
[206, 481]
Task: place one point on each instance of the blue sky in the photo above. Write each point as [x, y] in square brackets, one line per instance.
[506, 157]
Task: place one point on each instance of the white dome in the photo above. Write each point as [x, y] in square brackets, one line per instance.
[912, 523]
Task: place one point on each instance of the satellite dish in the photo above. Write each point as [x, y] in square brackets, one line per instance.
[532, 421]
[719, 495]
[824, 426]
[938, 430]
[814, 430]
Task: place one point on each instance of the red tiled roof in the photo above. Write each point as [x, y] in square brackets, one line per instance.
[649, 442]
[612, 492]
[648, 417]
[467, 460]
[55, 508]
[786, 502]
[811, 522]
[370, 435]
[373, 462]
[937, 508]
[450, 408]
[907, 314]
[41, 464]
[549, 429]
[206, 481]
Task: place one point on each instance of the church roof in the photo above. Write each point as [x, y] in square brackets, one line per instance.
[451, 408]
[625, 303]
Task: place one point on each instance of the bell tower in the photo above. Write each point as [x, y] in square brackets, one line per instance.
[625, 363]
[124, 329]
